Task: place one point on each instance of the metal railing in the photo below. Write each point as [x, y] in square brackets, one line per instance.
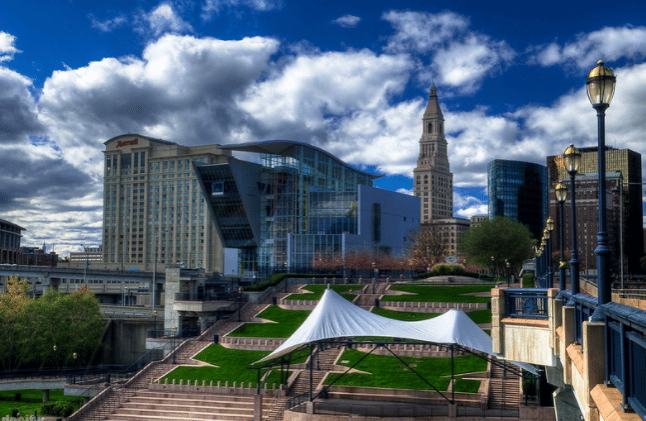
[527, 302]
[584, 306]
[626, 354]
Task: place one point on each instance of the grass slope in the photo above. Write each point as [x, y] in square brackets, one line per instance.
[388, 372]
[286, 323]
[439, 294]
[318, 290]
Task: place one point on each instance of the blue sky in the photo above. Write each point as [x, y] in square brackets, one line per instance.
[350, 77]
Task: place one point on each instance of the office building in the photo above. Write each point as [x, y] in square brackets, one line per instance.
[91, 255]
[34, 256]
[450, 230]
[10, 235]
[432, 177]
[587, 216]
[300, 203]
[519, 190]
[153, 209]
[629, 164]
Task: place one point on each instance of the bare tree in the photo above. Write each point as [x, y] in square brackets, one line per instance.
[426, 247]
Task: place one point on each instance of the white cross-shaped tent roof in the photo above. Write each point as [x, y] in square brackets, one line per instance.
[336, 317]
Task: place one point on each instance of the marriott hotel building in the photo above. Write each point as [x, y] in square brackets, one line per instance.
[153, 205]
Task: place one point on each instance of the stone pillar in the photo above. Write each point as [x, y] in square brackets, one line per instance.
[568, 338]
[257, 407]
[554, 310]
[497, 314]
[594, 360]
[45, 395]
[309, 407]
[171, 285]
[453, 410]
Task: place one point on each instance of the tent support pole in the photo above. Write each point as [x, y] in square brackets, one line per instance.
[258, 387]
[348, 370]
[418, 375]
[452, 377]
[311, 373]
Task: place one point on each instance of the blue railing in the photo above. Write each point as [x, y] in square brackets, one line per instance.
[527, 302]
[626, 354]
[584, 306]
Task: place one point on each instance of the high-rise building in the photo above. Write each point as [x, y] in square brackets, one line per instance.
[629, 163]
[587, 216]
[519, 190]
[432, 177]
[153, 209]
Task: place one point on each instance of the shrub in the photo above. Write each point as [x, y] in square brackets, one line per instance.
[528, 280]
[444, 269]
[58, 409]
[277, 278]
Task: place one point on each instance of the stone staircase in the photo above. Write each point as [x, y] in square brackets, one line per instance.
[504, 386]
[147, 405]
[323, 361]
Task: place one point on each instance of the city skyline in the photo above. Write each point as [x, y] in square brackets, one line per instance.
[352, 79]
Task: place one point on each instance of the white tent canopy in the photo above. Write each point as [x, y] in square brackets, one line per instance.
[336, 317]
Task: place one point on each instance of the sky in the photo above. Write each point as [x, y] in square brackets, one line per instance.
[350, 77]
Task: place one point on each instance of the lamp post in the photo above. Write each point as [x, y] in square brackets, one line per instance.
[548, 236]
[86, 263]
[572, 163]
[508, 274]
[600, 85]
[561, 195]
[546, 277]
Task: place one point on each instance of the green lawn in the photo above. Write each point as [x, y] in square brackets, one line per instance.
[32, 400]
[287, 321]
[466, 385]
[439, 293]
[388, 372]
[231, 365]
[478, 316]
[318, 290]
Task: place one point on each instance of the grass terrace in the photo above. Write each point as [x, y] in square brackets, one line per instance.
[440, 293]
[285, 322]
[478, 316]
[318, 290]
[388, 372]
[229, 365]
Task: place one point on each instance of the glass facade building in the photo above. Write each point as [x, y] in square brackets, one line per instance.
[519, 190]
[298, 203]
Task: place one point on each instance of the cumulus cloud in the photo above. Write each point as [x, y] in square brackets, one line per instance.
[163, 19]
[308, 97]
[347, 21]
[609, 44]
[459, 58]
[7, 46]
[211, 8]
[172, 92]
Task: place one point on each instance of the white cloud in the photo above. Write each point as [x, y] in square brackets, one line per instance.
[459, 58]
[7, 46]
[308, 97]
[408, 192]
[163, 19]
[347, 21]
[108, 25]
[609, 44]
[422, 32]
[214, 7]
[465, 64]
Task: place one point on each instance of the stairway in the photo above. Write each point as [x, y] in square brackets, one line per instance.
[147, 405]
[504, 386]
[323, 361]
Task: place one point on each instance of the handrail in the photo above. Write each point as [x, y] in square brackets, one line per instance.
[527, 302]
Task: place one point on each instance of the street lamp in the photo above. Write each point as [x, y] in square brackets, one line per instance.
[601, 87]
[561, 195]
[548, 247]
[572, 158]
